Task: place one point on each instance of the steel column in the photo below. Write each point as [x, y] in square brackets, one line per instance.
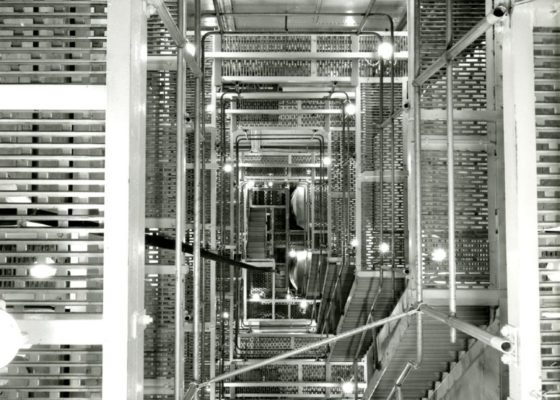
[197, 262]
[123, 277]
[521, 230]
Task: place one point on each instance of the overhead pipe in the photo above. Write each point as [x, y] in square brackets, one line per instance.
[451, 176]
[177, 35]
[366, 15]
[307, 348]
[197, 262]
[496, 342]
[180, 219]
[474, 33]
[414, 10]
[218, 15]
[396, 389]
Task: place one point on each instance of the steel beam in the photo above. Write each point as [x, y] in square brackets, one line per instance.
[53, 97]
[45, 329]
[474, 33]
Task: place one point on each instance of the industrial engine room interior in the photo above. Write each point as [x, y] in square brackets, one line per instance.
[280, 200]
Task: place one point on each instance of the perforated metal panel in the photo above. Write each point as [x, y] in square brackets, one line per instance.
[51, 180]
[53, 42]
[53, 372]
[547, 89]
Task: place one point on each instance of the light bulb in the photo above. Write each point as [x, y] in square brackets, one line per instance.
[385, 50]
[350, 108]
[289, 295]
[228, 168]
[250, 184]
[354, 242]
[439, 254]
[42, 271]
[327, 161]
[255, 296]
[225, 315]
[292, 253]
[303, 305]
[12, 339]
[384, 248]
[348, 387]
[270, 184]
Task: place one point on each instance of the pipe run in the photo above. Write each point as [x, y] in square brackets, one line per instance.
[400, 380]
[167, 243]
[496, 15]
[307, 348]
[180, 220]
[496, 342]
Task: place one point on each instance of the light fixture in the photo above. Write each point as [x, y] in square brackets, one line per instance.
[250, 184]
[349, 20]
[227, 167]
[190, 48]
[354, 242]
[289, 295]
[439, 254]
[347, 387]
[384, 248]
[42, 271]
[350, 108]
[270, 184]
[301, 255]
[385, 50]
[327, 161]
[12, 339]
[225, 315]
[292, 253]
[303, 305]
[255, 296]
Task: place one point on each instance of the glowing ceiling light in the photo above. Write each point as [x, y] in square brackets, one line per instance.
[289, 295]
[250, 184]
[385, 50]
[350, 108]
[255, 296]
[270, 184]
[227, 167]
[354, 242]
[384, 248]
[225, 315]
[347, 387]
[292, 253]
[439, 254]
[12, 339]
[303, 305]
[327, 161]
[42, 271]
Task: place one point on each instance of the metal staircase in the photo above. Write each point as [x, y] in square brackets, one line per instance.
[256, 234]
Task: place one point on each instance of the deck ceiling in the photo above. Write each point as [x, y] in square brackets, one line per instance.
[313, 14]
